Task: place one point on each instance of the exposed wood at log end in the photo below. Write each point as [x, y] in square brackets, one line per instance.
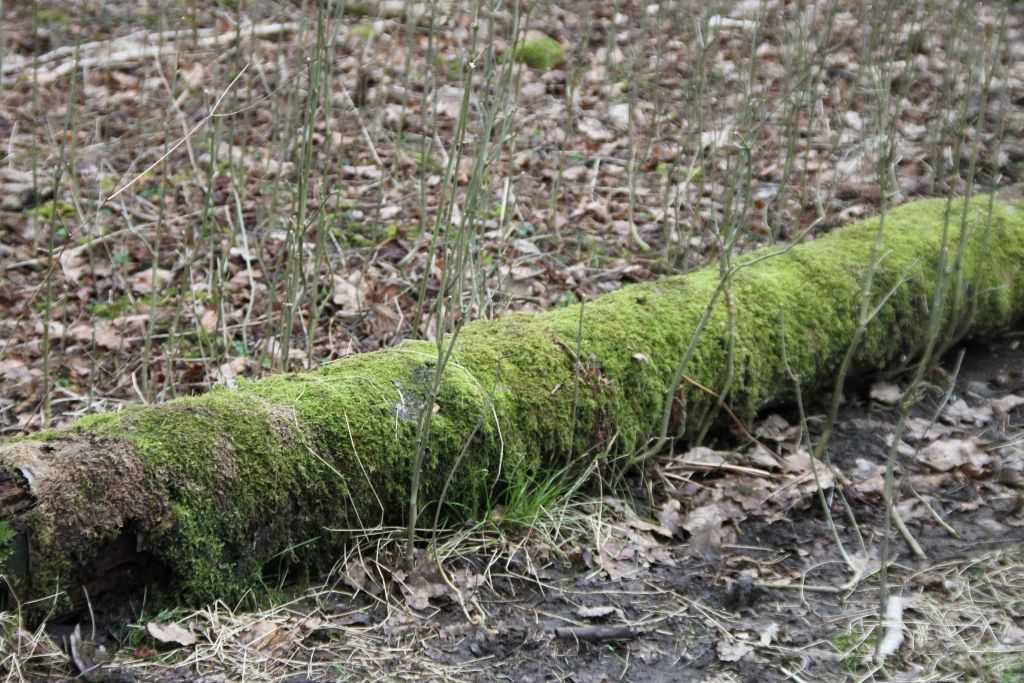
[15, 495]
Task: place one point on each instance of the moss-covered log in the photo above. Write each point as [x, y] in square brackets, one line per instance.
[208, 491]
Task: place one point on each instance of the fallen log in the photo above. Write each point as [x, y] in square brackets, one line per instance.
[199, 495]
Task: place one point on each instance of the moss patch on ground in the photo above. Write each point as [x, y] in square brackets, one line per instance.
[539, 52]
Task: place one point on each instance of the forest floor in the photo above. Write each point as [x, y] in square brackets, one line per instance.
[198, 192]
[720, 568]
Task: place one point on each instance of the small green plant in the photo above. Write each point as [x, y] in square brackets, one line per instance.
[853, 647]
[363, 235]
[539, 53]
[1014, 671]
[109, 309]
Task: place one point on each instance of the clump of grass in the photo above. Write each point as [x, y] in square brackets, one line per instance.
[530, 498]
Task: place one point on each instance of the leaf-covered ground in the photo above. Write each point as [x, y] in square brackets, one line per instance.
[195, 192]
[167, 225]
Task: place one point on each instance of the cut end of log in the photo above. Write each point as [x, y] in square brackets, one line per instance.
[69, 506]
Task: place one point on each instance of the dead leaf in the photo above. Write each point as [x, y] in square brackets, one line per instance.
[422, 583]
[959, 412]
[715, 139]
[669, 517]
[260, 165]
[776, 428]
[617, 569]
[526, 247]
[643, 525]
[599, 612]
[266, 636]
[208, 320]
[619, 116]
[1014, 635]
[355, 574]
[171, 633]
[886, 392]
[88, 656]
[349, 294]
[594, 130]
[720, 22]
[105, 336]
[467, 580]
[449, 101]
[868, 477]
[1005, 404]
[367, 172]
[531, 91]
[732, 649]
[143, 281]
[768, 634]
[707, 535]
[14, 370]
[918, 429]
[1011, 466]
[805, 480]
[225, 373]
[18, 191]
[948, 454]
[71, 264]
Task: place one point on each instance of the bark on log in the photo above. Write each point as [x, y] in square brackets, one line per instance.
[208, 491]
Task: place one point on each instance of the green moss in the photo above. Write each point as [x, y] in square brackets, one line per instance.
[260, 475]
[50, 570]
[539, 53]
[269, 466]
[232, 468]
[43, 436]
[53, 16]
[7, 535]
[363, 31]
[49, 210]
[356, 9]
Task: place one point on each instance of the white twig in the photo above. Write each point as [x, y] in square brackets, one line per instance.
[179, 143]
[892, 638]
[139, 47]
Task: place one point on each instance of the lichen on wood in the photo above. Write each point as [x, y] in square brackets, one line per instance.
[210, 491]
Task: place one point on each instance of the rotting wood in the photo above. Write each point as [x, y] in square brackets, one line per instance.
[211, 491]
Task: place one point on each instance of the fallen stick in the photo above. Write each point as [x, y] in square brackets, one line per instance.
[137, 47]
[195, 498]
[595, 634]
